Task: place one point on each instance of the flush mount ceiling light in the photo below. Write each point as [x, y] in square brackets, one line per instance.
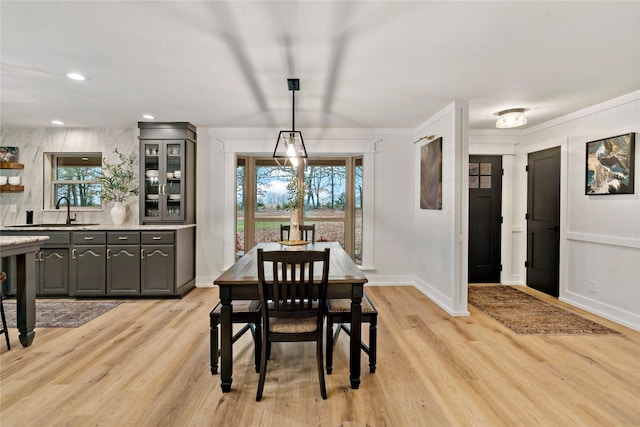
[290, 147]
[511, 118]
[76, 76]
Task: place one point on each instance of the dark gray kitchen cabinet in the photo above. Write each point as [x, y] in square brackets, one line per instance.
[123, 263]
[52, 265]
[88, 264]
[167, 173]
[157, 263]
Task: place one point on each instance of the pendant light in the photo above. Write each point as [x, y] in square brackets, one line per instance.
[290, 149]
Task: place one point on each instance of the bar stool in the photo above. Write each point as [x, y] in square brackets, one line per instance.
[339, 311]
[5, 330]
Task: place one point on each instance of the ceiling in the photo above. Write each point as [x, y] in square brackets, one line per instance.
[388, 64]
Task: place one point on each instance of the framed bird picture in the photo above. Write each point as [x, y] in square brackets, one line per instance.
[609, 165]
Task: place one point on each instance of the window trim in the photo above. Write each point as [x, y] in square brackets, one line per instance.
[49, 181]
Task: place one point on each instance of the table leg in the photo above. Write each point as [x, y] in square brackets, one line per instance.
[26, 297]
[356, 338]
[226, 346]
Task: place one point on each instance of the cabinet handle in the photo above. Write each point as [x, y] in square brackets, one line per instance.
[122, 238]
[141, 253]
[74, 253]
[108, 253]
[88, 238]
[40, 253]
[157, 238]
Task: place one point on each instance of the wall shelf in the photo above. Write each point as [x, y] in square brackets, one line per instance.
[11, 165]
[7, 188]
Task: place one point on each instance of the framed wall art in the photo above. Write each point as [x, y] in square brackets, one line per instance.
[8, 154]
[431, 175]
[609, 165]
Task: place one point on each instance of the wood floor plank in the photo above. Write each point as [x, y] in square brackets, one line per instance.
[146, 363]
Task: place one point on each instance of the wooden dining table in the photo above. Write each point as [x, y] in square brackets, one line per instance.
[240, 282]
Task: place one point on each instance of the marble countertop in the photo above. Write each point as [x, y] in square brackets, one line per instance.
[17, 240]
[98, 227]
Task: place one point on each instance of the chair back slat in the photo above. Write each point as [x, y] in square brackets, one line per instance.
[293, 290]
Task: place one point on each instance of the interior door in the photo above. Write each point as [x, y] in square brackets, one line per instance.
[485, 218]
[543, 221]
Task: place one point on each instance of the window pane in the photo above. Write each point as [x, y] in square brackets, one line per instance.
[357, 220]
[473, 182]
[79, 194]
[474, 169]
[78, 168]
[326, 190]
[485, 168]
[272, 196]
[240, 202]
[269, 231]
[485, 181]
[329, 231]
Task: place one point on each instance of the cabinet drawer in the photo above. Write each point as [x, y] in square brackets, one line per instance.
[89, 238]
[56, 238]
[123, 238]
[157, 237]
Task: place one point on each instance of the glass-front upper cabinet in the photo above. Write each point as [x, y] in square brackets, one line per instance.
[168, 181]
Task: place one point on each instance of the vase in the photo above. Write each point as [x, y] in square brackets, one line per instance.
[118, 213]
[294, 230]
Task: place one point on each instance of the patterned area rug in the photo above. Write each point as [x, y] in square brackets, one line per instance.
[61, 314]
[526, 314]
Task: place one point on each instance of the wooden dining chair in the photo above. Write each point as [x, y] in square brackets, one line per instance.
[339, 312]
[5, 329]
[305, 231]
[247, 312]
[292, 301]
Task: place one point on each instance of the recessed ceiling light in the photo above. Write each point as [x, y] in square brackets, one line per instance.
[76, 76]
[57, 122]
[148, 116]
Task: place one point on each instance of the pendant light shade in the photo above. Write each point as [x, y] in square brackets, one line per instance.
[290, 149]
[511, 118]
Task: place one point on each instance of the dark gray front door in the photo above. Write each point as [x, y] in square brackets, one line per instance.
[543, 221]
[485, 218]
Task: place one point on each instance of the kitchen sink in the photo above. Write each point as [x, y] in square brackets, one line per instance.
[51, 225]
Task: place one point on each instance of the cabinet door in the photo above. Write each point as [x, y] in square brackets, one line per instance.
[53, 272]
[152, 176]
[175, 174]
[123, 270]
[157, 270]
[88, 270]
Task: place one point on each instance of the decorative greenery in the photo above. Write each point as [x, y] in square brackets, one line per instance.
[119, 180]
[296, 193]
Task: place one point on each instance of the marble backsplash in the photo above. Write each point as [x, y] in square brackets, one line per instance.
[32, 143]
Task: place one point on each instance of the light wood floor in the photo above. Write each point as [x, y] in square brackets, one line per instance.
[146, 363]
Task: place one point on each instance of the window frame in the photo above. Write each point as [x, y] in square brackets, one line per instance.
[50, 167]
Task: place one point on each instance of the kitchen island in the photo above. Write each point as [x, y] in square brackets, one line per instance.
[24, 249]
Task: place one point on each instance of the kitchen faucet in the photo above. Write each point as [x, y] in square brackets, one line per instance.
[69, 219]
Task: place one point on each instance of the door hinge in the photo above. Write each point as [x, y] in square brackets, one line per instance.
[526, 168]
[502, 172]
[526, 263]
[501, 220]
[500, 267]
[526, 216]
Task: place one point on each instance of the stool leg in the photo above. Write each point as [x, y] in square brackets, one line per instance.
[4, 325]
[373, 343]
[213, 337]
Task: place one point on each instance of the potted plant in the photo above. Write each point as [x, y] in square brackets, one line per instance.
[119, 182]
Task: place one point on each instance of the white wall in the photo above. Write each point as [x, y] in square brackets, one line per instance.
[441, 236]
[599, 235]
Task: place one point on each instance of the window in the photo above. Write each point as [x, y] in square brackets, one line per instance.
[75, 176]
[333, 201]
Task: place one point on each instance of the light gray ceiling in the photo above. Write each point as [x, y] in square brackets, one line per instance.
[361, 64]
